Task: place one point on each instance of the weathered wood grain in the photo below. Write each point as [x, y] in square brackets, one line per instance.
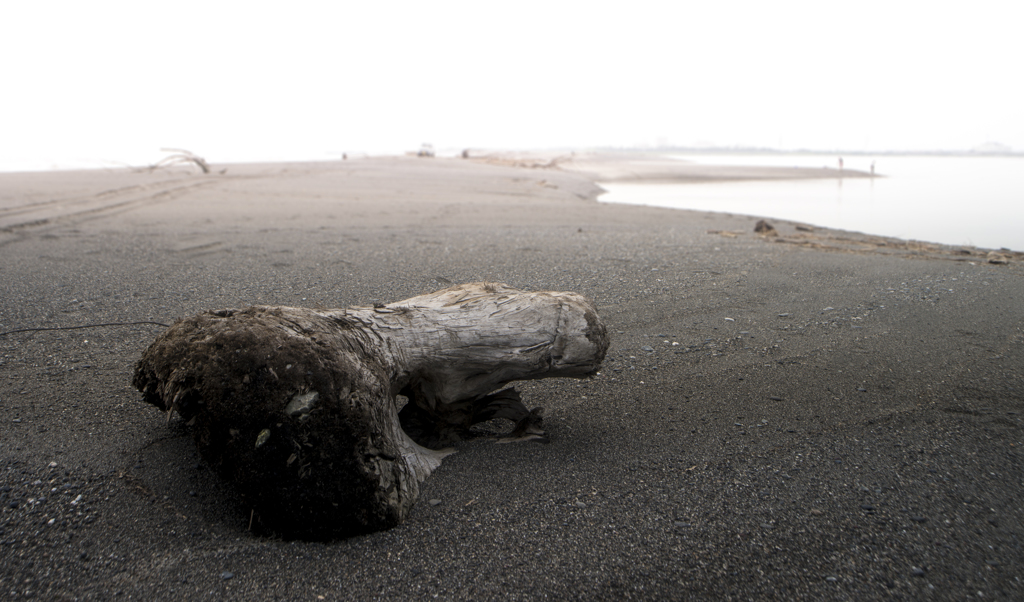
[298, 407]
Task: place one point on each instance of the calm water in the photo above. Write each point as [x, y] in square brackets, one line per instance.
[975, 201]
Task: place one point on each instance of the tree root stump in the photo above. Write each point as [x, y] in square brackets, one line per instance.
[300, 408]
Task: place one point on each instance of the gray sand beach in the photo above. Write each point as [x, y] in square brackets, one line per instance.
[814, 415]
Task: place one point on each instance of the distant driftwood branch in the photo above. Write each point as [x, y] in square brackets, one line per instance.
[303, 409]
[181, 157]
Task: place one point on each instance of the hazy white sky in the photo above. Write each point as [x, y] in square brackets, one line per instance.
[116, 81]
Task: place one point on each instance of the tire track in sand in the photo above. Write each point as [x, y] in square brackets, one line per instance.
[19, 222]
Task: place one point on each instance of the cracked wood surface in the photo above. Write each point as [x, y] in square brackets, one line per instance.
[298, 407]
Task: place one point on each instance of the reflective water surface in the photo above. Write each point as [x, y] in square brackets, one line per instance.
[976, 201]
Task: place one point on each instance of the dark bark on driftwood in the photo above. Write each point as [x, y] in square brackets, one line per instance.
[297, 407]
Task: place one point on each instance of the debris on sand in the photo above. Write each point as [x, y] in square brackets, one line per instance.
[765, 229]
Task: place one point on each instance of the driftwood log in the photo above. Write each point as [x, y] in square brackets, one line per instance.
[300, 408]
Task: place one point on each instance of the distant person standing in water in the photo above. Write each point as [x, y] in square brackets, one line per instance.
[872, 169]
[840, 164]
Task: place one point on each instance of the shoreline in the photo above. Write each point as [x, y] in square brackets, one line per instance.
[72, 193]
[656, 170]
[807, 416]
[39, 200]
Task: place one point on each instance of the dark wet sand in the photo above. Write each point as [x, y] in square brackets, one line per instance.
[818, 415]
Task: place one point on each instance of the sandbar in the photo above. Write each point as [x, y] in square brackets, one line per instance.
[811, 415]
